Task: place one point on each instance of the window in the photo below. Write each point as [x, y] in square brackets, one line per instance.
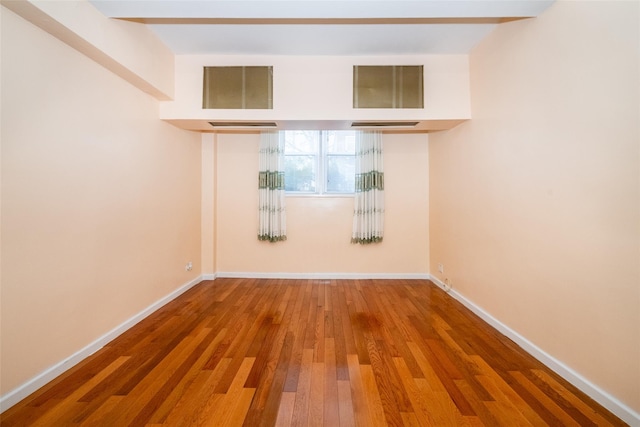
[319, 162]
[388, 86]
[237, 88]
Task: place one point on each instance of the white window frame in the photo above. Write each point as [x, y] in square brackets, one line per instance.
[321, 167]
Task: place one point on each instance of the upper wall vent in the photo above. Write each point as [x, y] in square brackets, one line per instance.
[384, 124]
[244, 124]
[238, 88]
[388, 86]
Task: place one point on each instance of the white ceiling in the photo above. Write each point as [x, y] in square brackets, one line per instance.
[331, 39]
[321, 27]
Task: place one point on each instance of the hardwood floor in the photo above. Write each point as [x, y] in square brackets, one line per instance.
[310, 352]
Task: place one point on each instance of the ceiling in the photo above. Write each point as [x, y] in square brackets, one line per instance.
[321, 27]
[325, 39]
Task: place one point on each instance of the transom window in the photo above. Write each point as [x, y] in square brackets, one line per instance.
[319, 162]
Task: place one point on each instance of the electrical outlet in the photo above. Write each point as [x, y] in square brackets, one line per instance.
[440, 268]
[189, 266]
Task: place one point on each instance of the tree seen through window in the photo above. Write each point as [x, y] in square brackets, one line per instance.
[319, 162]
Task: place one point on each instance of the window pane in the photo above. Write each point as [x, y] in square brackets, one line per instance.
[222, 87]
[320, 161]
[300, 173]
[341, 142]
[258, 87]
[238, 87]
[410, 92]
[340, 174]
[301, 142]
[373, 86]
[388, 86]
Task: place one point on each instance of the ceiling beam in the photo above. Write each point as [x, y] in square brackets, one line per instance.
[129, 50]
[321, 9]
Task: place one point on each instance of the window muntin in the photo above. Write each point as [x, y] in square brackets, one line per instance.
[320, 162]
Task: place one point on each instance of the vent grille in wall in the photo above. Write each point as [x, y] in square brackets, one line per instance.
[388, 86]
[384, 124]
[238, 88]
[244, 124]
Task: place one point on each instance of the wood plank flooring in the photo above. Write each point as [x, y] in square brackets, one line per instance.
[260, 352]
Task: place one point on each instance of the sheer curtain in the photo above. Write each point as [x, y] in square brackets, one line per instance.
[271, 204]
[368, 215]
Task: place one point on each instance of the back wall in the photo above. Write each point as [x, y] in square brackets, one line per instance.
[319, 228]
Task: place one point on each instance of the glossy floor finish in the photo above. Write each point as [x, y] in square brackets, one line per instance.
[310, 352]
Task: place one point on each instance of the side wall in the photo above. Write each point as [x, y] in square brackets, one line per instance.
[319, 228]
[535, 203]
[100, 202]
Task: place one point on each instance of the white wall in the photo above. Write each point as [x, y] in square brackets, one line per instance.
[100, 202]
[535, 203]
[319, 228]
[320, 88]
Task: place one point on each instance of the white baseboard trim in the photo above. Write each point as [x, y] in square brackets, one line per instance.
[621, 410]
[326, 276]
[625, 413]
[24, 390]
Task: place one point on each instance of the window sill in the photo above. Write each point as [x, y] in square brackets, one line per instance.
[321, 196]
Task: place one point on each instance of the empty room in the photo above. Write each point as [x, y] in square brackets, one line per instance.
[297, 213]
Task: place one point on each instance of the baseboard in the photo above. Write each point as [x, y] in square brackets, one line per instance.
[24, 390]
[621, 410]
[625, 413]
[326, 276]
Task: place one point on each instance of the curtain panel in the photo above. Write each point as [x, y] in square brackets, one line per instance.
[271, 203]
[368, 215]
